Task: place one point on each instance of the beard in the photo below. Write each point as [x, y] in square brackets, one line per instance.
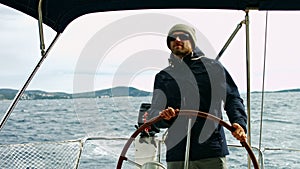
[181, 52]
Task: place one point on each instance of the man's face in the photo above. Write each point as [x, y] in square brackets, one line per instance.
[180, 44]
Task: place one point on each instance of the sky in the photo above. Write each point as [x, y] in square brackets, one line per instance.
[126, 48]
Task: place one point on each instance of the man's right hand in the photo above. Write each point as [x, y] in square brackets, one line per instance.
[168, 113]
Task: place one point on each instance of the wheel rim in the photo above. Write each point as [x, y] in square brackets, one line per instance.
[185, 113]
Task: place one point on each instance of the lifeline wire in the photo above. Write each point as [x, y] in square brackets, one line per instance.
[263, 82]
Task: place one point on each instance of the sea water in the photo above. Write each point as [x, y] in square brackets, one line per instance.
[45, 121]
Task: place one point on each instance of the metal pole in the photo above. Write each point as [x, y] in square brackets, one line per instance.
[42, 42]
[188, 144]
[21, 91]
[159, 151]
[230, 39]
[43, 54]
[248, 81]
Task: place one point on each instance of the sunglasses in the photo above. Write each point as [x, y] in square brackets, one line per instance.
[180, 36]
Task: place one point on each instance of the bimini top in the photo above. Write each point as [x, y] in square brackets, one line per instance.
[57, 14]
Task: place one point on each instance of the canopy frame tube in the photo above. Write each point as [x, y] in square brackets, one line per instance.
[44, 55]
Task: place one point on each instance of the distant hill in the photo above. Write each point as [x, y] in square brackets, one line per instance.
[279, 91]
[9, 94]
[114, 92]
[288, 90]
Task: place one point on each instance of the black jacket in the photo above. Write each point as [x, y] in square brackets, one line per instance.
[196, 83]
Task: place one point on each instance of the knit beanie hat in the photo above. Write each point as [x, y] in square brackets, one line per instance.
[186, 29]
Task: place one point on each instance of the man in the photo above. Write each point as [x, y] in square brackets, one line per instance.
[194, 82]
